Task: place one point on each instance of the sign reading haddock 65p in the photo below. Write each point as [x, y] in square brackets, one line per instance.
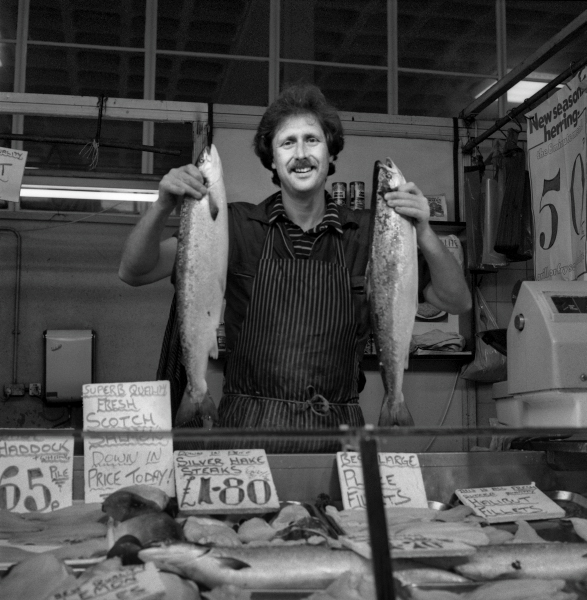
[557, 161]
[130, 443]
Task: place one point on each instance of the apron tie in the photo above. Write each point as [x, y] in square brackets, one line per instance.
[315, 402]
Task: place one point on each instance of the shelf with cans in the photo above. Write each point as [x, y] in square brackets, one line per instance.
[353, 196]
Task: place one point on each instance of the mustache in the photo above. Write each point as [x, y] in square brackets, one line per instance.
[301, 163]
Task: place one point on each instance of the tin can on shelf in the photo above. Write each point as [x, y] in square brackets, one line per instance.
[339, 193]
[357, 195]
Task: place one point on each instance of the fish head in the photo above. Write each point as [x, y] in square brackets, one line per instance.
[209, 165]
[390, 177]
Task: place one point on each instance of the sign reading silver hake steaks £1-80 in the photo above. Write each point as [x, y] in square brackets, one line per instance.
[130, 443]
[224, 481]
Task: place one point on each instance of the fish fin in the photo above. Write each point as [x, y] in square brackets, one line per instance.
[208, 411]
[214, 208]
[395, 414]
[187, 410]
[214, 349]
[232, 563]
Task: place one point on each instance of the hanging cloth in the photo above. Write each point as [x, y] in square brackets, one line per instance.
[514, 233]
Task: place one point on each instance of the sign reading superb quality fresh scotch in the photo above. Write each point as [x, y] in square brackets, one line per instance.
[139, 449]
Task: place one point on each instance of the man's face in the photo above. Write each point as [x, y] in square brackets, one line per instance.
[300, 155]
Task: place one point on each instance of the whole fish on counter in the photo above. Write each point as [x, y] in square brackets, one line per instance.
[393, 291]
[266, 567]
[555, 560]
[202, 259]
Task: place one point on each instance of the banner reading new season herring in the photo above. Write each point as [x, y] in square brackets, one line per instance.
[558, 163]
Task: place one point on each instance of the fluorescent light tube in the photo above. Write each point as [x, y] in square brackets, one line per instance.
[86, 193]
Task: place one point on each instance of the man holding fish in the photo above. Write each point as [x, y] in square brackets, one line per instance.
[297, 314]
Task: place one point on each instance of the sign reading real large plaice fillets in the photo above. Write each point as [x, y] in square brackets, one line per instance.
[557, 161]
[142, 453]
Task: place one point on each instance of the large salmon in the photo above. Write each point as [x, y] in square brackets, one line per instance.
[260, 567]
[202, 258]
[393, 291]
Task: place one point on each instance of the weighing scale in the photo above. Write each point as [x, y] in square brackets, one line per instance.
[547, 363]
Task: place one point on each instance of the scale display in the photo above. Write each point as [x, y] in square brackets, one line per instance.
[570, 304]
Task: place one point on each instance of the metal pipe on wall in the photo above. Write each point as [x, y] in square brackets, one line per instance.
[572, 70]
[16, 331]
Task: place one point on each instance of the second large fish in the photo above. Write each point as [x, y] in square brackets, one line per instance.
[393, 285]
[202, 258]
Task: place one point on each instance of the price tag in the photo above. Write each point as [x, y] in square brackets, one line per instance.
[12, 163]
[410, 546]
[224, 481]
[36, 473]
[144, 457]
[401, 480]
[133, 582]
[510, 503]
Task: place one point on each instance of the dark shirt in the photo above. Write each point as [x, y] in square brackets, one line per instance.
[248, 227]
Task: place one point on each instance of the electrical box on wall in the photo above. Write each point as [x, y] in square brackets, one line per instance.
[69, 363]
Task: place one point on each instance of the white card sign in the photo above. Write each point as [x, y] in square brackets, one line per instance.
[410, 546]
[510, 503]
[12, 163]
[224, 481]
[143, 451]
[401, 480]
[132, 582]
[36, 473]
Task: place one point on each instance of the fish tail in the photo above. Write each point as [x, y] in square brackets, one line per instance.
[187, 411]
[395, 414]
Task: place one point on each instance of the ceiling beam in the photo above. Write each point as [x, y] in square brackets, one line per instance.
[556, 43]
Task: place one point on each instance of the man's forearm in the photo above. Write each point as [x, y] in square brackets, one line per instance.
[141, 252]
[448, 289]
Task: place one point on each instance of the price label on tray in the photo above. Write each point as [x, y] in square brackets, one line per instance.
[224, 481]
[510, 503]
[401, 480]
[36, 473]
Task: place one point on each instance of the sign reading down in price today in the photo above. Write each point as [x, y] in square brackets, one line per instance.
[36, 473]
[223, 481]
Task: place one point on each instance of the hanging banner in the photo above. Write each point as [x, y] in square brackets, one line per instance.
[558, 163]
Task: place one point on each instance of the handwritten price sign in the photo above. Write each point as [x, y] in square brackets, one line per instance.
[36, 473]
[12, 163]
[510, 503]
[224, 481]
[401, 480]
[143, 451]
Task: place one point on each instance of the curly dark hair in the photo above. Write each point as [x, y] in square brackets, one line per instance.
[298, 99]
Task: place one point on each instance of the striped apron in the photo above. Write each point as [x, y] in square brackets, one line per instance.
[295, 362]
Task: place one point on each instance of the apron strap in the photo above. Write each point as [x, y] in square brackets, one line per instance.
[317, 403]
